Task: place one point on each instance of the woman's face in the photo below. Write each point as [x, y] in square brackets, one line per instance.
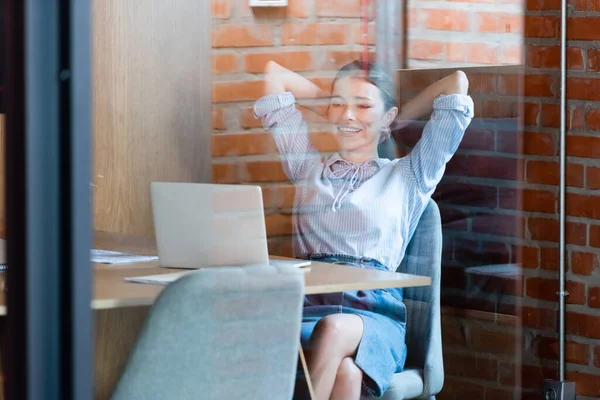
[357, 115]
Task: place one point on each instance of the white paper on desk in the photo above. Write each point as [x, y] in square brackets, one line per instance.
[115, 257]
[159, 279]
[291, 263]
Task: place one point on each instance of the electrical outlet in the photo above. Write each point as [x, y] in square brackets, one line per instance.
[556, 390]
[268, 3]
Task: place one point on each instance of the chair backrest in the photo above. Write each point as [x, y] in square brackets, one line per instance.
[221, 333]
[424, 257]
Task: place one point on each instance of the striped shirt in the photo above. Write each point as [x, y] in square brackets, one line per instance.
[361, 210]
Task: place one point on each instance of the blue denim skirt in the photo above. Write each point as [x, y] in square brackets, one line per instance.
[382, 349]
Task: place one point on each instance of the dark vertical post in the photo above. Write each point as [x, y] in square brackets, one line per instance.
[48, 199]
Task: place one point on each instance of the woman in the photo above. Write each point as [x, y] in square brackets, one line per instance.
[357, 209]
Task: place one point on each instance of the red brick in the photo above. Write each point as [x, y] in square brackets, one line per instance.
[225, 63]
[549, 258]
[547, 173]
[226, 92]
[336, 59]
[551, 116]
[594, 297]
[541, 26]
[531, 111]
[579, 5]
[339, 8]
[593, 119]
[510, 84]
[492, 341]
[243, 144]
[583, 88]
[454, 332]
[533, 375]
[359, 31]
[586, 384]
[455, 388]
[546, 229]
[549, 57]
[597, 356]
[583, 146]
[500, 109]
[469, 366]
[593, 5]
[477, 139]
[280, 246]
[593, 59]
[538, 318]
[263, 171]
[247, 35]
[576, 353]
[482, 83]
[545, 5]
[498, 224]
[297, 60]
[445, 20]
[546, 289]
[528, 200]
[312, 34]
[248, 120]
[579, 205]
[538, 144]
[280, 196]
[593, 178]
[486, 167]
[595, 235]
[583, 28]
[498, 22]
[218, 118]
[583, 263]
[538, 85]
[460, 193]
[481, 53]
[511, 53]
[278, 224]
[224, 173]
[583, 325]
[221, 9]
[420, 49]
[527, 257]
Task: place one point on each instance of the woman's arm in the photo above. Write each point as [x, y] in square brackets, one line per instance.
[422, 104]
[279, 79]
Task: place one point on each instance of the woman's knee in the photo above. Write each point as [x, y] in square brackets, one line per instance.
[338, 331]
[348, 373]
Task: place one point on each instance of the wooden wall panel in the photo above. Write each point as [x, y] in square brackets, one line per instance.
[152, 104]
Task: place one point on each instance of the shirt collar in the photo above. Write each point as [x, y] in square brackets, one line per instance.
[379, 162]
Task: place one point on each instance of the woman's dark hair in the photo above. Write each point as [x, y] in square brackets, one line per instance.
[375, 75]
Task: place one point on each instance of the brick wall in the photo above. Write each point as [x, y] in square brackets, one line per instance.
[476, 32]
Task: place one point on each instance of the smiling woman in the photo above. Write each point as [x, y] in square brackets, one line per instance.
[358, 209]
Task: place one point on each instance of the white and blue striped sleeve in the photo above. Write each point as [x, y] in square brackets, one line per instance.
[441, 137]
[280, 116]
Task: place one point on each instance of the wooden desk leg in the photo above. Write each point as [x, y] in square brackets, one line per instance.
[305, 368]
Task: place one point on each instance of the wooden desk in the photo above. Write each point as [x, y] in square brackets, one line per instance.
[121, 307]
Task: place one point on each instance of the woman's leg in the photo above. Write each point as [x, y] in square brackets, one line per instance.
[334, 338]
[348, 381]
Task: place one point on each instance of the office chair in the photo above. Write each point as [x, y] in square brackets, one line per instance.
[219, 333]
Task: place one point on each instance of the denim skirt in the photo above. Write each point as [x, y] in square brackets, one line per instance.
[382, 349]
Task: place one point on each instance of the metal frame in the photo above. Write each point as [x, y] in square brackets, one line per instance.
[48, 163]
[562, 144]
[390, 52]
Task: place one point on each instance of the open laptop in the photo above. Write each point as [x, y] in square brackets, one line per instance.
[201, 225]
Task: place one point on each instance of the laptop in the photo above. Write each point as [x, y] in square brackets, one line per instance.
[200, 225]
